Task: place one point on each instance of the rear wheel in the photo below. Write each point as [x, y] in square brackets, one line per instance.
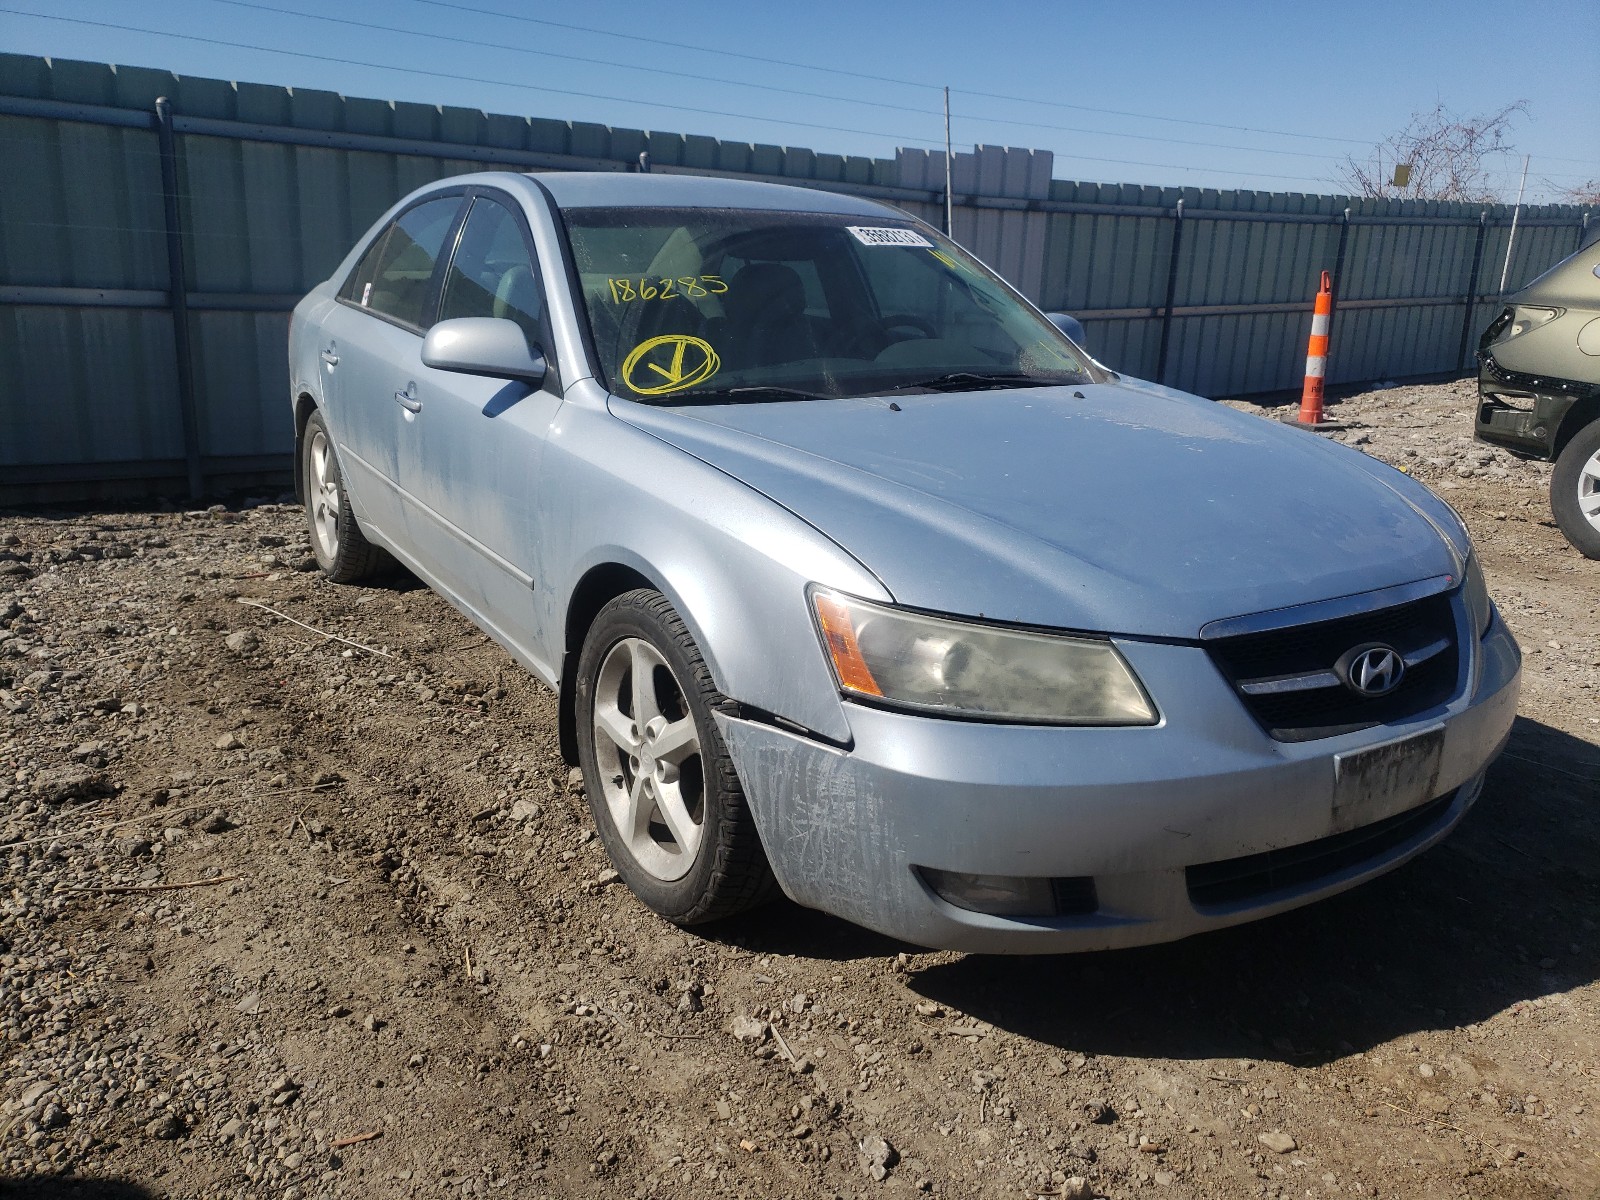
[665, 798]
[340, 548]
[1575, 491]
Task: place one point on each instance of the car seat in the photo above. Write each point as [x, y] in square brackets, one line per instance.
[766, 322]
[517, 298]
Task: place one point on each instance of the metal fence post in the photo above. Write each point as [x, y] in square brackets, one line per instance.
[1338, 264]
[178, 297]
[1472, 291]
[1583, 232]
[1338, 269]
[1172, 292]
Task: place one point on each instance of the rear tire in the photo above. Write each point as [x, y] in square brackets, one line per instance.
[341, 549]
[665, 797]
[1575, 491]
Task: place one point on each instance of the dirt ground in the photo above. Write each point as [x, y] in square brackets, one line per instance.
[296, 916]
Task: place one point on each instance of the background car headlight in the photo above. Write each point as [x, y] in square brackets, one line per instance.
[1529, 316]
[1476, 591]
[943, 665]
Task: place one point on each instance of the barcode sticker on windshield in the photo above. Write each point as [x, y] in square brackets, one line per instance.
[888, 235]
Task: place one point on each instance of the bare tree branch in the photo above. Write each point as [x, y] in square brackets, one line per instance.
[1446, 152]
[1584, 193]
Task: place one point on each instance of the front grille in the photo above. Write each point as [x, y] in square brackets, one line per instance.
[1312, 650]
[1239, 879]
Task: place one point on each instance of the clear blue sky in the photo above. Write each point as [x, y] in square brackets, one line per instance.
[1314, 81]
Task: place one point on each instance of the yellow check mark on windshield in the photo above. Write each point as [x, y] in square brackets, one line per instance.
[683, 371]
[675, 373]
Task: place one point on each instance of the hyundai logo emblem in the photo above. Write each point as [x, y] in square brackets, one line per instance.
[1371, 670]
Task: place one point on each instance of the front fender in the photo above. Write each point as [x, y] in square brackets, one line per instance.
[734, 564]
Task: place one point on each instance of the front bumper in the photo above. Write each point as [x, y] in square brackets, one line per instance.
[1529, 426]
[1131, 808]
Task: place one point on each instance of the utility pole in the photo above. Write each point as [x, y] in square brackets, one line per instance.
[1515, 213]
[949, 200]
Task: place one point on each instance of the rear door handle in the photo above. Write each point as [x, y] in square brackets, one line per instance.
[329, 357]
[408, 402]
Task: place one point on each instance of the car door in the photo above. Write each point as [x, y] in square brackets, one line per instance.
[469, 456]
[372, 337]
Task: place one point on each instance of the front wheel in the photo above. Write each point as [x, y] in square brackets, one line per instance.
[1575, 491]
[664, 795]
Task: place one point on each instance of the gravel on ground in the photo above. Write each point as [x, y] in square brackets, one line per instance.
[296, 915]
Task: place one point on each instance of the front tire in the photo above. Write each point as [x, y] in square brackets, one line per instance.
[340, 548]
[665, 797]
[1575, 491]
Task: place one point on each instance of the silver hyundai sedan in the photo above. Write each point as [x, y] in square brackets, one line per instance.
[857, 579]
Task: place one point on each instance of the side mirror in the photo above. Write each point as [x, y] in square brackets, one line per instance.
[1068, 325]
[491, 346]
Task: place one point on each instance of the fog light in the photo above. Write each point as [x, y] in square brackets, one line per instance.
[1012, 895]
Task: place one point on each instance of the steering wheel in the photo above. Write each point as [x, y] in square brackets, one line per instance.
[883, 325]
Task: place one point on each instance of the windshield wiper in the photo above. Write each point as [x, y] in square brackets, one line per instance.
[971, 380]
[750, 393]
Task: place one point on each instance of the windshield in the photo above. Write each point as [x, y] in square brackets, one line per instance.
[719, 304]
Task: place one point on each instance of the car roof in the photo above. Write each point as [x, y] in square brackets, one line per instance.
[617, 189]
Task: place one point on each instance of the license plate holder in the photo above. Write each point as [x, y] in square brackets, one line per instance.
[1382, 781]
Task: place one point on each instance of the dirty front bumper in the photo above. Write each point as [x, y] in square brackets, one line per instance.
[1143, 822]
[1524, 412]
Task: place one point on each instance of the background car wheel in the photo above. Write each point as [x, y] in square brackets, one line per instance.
[341, 549]
[665, 798]
[1575, 491]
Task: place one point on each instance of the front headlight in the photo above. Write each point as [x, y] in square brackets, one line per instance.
[1476, 592]
[945, 665]
[1529, 316]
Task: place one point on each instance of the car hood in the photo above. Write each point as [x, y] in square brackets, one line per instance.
[1122, 507]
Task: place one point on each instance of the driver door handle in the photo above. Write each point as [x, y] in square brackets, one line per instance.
[408, 402]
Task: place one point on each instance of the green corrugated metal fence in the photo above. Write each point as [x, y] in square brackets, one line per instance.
[1209, 291]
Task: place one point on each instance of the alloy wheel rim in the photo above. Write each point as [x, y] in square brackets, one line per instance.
[647, 750]
[1589, 490]
[325, 500]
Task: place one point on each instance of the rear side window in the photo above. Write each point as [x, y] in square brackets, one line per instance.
[393, 276]
[492, 273]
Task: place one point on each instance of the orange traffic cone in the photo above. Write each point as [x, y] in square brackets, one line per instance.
[1310, 415]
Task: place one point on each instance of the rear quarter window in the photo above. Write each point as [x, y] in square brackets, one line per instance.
[394, 276]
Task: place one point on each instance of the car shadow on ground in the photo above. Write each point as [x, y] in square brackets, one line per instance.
[70, 1187]
[785, 928]
[1488, 918]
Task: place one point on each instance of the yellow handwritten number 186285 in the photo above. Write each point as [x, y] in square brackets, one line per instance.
[666, 288]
